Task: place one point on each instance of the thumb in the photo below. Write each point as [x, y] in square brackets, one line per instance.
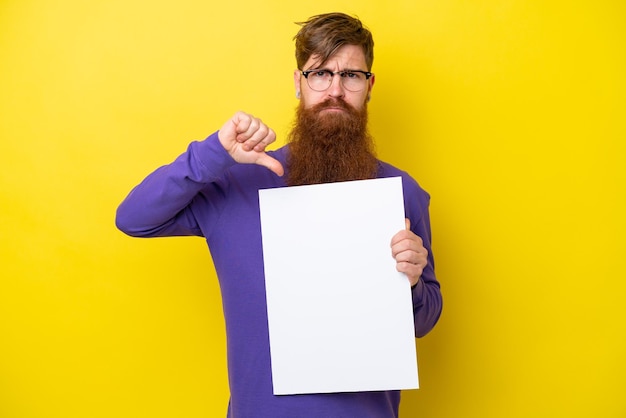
[272, 164]
[407, 223]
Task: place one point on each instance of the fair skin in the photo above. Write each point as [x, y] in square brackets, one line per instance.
[246, 137]
[348, 57]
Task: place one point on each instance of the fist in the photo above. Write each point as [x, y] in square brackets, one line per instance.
[410, 254]
[245, 137]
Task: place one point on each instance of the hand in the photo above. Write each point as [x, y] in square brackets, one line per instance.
[410, 254]
[245, 137]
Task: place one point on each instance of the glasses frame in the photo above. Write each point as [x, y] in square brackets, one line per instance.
[306, 73]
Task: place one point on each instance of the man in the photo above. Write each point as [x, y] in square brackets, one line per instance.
[211, 190]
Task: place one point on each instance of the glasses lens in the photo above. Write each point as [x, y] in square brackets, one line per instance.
[353, 81]
[319, 80]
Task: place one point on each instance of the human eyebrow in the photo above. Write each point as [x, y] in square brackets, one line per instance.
[347, 70]
[312, 70]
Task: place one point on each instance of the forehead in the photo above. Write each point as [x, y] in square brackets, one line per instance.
[346, 57]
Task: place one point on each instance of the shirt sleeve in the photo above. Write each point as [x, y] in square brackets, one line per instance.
[160, 204]
[427, 299]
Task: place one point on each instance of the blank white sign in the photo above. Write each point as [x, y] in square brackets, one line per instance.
[340, 315]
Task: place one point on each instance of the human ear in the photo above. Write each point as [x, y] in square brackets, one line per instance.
[370, 87]
[296, 82]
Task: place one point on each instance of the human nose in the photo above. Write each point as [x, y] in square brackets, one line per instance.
[336, 86]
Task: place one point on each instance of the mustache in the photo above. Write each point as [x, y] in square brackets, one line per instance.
[334, 103]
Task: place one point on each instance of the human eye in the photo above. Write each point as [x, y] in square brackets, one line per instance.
[320, 73]
[351, 75]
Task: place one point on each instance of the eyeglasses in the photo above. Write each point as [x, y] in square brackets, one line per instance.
[352, 80]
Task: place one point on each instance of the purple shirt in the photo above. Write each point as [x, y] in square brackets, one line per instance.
[204, 192]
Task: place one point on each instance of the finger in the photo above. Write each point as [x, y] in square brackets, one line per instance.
[262, 135]
[409, 256]
[249, 127]
[413, 257]
[265, 141]
[407, 223]
[412, 271]
[271, 163]
[406, 240]
[400, 236]
[242, 122]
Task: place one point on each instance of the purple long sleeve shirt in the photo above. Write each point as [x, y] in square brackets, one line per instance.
[204, 192]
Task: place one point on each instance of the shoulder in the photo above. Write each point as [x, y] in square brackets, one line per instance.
[416, 199]
[413, 192]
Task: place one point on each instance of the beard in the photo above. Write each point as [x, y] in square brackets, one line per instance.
[330, 146]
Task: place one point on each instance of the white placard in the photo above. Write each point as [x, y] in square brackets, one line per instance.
[340, 315]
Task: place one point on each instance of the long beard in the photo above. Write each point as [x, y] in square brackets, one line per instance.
[328, 147]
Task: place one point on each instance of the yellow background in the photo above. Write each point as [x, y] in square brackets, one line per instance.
[510, 113]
